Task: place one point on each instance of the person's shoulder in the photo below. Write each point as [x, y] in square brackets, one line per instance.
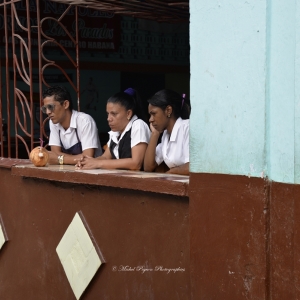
[80, 114]
[185, 127]
[181, 127]
[139, 123]
[184, 122]
[54, 126]
[83, 117]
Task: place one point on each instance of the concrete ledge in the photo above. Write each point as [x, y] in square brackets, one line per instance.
[9, 162]
[150, 182]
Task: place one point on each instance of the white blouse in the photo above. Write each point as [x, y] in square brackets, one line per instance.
[86, 129]
[174, 149]
[140, 133]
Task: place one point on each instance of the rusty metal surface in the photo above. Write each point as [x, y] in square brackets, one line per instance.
[48, 62]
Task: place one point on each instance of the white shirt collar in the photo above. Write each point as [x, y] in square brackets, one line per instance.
[73, 119]
[115, 134]
[72, 122]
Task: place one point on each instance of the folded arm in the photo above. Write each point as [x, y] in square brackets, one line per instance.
[149, 160]
[106, 162]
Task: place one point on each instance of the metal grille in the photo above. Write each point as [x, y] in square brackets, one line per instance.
[18, 84]
[25, 47]
[170, 11]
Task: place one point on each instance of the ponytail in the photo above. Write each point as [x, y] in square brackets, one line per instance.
[179, 103]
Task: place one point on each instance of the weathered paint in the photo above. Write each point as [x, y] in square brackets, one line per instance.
[228, 237]
[132, 227]
[244, 88]
[284, 241]
[228, 87]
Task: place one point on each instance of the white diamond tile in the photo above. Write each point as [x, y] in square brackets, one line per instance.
[2, 237]
[78, 256]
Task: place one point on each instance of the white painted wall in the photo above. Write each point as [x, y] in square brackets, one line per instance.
[245, 109]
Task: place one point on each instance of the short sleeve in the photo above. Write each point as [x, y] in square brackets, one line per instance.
[174, 149]
[109, 141]
[158, 154]
[88, 133]
[140, 133]
[54, 135]
[185, 144]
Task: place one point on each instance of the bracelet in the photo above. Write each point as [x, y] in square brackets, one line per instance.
[60, 159]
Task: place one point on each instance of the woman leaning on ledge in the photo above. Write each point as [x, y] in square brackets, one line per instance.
[169, 114]
[128, 137]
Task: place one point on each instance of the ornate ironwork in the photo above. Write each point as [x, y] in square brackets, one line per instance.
[18, 86]
[171, 11]
[19, 82]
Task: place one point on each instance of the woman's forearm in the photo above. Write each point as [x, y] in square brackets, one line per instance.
[149, 160]
[123, 163]
[181, 170]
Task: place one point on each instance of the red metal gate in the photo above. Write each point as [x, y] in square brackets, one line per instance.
[21, 120]
[26, 45]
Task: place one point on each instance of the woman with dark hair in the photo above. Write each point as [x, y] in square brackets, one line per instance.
[128, 137]
[169, 114]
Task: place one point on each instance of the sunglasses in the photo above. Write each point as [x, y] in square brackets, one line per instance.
[49, 107]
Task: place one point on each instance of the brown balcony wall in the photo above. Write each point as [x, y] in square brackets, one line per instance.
[136, 222]
[244, 238]
[233, 237]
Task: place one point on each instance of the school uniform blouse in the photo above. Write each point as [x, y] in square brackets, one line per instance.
[136, 131]
[174, 149]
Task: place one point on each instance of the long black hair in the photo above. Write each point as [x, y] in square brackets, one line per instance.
[179, 103]
[129, 99]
